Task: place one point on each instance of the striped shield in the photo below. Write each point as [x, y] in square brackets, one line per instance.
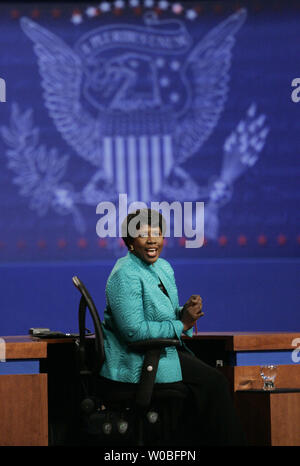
[138, 165]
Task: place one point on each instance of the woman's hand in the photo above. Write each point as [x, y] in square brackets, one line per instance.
[191, 311]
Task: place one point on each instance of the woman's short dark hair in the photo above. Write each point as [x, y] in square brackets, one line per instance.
[150, 217]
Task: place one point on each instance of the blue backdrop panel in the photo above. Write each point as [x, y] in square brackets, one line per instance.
[237, 295]
[189, 104]
[164, 102]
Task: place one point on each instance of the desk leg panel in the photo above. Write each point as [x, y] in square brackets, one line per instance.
[285, 419]
[23, 410]
[253, 409]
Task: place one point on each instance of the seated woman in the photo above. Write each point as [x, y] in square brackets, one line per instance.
[142, 303]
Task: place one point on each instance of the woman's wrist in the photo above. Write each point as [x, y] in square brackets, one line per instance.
[185, 326]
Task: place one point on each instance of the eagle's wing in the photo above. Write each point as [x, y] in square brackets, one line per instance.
[61, 72]
[206, 69]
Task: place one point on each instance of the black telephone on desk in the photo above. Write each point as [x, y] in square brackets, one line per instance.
[47, 333]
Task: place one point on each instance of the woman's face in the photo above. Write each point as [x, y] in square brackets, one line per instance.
[148, 245]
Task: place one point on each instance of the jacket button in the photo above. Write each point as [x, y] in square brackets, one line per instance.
[149, 368]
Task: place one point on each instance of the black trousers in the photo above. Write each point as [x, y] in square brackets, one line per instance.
[209, 416]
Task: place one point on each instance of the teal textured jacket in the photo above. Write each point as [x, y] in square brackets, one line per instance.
[137, 309]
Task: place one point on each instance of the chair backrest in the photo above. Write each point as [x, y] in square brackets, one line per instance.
[87, 302]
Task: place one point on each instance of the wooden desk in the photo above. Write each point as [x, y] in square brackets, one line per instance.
[268, 418]
[242, 354]
[251, 341]
[24, 396]
[43, 393]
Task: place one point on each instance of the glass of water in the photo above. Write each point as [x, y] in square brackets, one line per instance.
[268, 374]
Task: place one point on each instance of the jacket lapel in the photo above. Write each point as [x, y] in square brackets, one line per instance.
[167, 286]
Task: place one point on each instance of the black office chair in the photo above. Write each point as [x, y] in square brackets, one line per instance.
[117, 412]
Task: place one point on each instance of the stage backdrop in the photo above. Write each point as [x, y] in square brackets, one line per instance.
[190, 102]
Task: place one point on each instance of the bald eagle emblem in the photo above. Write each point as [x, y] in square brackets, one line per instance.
[135, 102]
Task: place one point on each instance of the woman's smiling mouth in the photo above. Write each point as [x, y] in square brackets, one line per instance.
[151, 252]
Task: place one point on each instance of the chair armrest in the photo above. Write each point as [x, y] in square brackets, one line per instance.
[152, 349]
[153, 343]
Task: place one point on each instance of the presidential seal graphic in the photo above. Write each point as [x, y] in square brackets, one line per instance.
[135, 101]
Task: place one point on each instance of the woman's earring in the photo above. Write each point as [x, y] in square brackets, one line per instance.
[131, 248]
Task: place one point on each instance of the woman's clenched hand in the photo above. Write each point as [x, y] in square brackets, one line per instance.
[191, 311]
